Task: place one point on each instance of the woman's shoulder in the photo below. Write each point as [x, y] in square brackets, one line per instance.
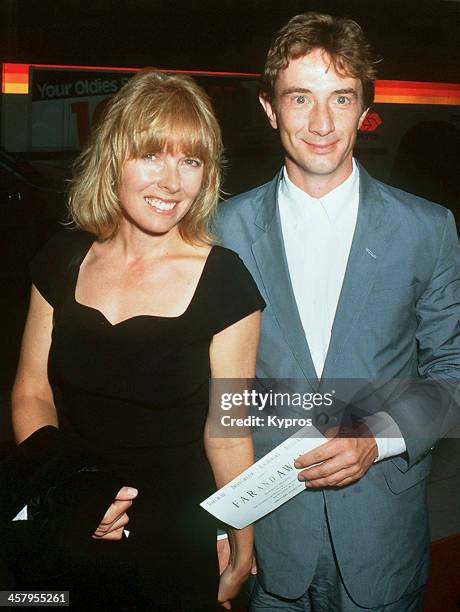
[68, 241]
[225, 256]
[232, 276]
[53, 262]
[228, 262]
[64, 248]
[233, 290]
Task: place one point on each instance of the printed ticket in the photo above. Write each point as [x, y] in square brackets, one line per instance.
[266, 485]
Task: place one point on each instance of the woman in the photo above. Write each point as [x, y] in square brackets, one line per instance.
[129, 318]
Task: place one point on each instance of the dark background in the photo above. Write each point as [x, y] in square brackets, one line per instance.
[415, 40]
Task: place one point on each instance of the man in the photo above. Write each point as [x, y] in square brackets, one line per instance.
[361, 282]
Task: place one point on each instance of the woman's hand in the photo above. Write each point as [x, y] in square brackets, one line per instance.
[223, 554]
[233, 573]
[231, 581]
[115, 519]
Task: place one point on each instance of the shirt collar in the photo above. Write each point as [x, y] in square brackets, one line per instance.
[334, 202]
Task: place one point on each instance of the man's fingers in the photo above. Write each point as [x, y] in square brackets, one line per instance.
[352, 458]
[345, 440]
[328, 470]
[345, 459]
[345, 481]
[334, 480]
[317, 455]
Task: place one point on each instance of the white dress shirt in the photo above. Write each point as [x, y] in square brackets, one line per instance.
[317, 234]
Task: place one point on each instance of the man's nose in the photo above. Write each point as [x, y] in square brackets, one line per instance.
[170, 177]
[320, 120]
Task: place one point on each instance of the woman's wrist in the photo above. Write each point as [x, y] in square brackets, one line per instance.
[242, 567]
[241, 545]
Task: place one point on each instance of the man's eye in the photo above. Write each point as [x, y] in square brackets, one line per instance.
[342, 100]
[300, 100]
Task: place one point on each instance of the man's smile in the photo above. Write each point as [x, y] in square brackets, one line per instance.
[321, 148]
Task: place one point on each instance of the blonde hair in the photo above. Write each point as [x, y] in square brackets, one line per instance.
[153, 112]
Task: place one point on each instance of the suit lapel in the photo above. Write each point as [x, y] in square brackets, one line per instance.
[270, 257]
[372, 233]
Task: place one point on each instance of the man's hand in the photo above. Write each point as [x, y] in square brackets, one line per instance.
[344, 458]
[115, 519]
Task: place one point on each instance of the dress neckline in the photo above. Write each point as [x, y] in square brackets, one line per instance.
[138, 316]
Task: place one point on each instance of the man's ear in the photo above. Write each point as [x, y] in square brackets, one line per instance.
[363, 116]
[269, 111]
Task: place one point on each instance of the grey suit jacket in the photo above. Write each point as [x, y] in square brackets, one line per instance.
[397, 317]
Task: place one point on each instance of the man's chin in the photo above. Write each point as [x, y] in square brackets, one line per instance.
[333, 163]
[324, 167]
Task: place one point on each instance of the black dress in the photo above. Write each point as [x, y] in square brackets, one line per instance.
[136, 393]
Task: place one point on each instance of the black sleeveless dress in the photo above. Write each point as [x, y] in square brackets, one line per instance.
[136, 393]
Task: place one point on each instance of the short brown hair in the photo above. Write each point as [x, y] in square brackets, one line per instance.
[342, 39]
[151, 113]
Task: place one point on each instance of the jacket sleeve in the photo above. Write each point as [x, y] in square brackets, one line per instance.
[427, 408]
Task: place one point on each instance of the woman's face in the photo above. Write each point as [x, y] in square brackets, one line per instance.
[158, 189]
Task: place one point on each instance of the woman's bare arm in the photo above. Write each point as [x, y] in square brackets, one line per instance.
[233, 355]
[32, 398]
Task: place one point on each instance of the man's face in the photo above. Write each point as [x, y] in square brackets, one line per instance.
[318, 113]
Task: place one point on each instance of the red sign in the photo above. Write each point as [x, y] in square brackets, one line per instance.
[371, 122]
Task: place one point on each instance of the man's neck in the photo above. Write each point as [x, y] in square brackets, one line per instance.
[317, 186]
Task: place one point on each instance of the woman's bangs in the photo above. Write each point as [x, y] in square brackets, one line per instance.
[175, 132]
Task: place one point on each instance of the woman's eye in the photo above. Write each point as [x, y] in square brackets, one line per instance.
[149, 156]
[193, 163]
